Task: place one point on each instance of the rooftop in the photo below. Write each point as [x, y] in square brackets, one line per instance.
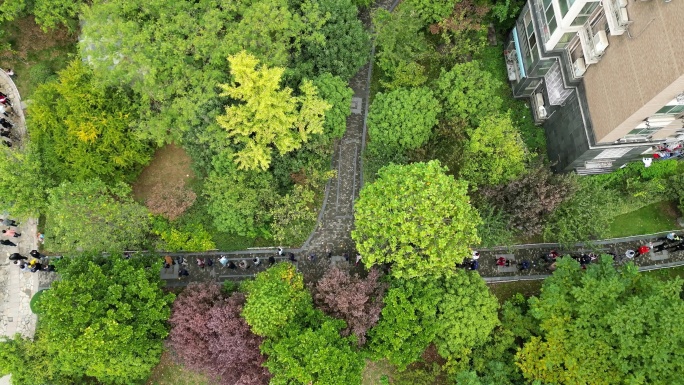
[635, 70]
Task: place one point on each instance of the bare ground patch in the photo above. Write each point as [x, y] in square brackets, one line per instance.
[163, 185]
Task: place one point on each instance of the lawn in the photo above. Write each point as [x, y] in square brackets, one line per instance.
[661, 216]
[168, 372]
[35, 56]
[506, 290]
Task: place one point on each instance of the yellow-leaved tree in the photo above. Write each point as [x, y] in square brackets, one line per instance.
[263, 115]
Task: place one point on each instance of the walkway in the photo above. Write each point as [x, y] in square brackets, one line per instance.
[17, 287]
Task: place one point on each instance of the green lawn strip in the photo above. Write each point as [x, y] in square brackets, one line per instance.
[168, 372]
[506, 290]
[657, 217]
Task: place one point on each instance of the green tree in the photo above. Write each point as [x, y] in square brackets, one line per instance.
[495, 153]
[605, 326]
[401, 120]
[400, 44]
[105, 318]
[344, 46]
[432, 11]
[315, 355]
[417, 218]
[91, 216]
[16, 352]
[239, 201]
[468, 92]
[49, 14]
[466, 316]
[268, 115]
[275, 298]
[336, 92]
[82, 131]
[22, 188]
[408, 323]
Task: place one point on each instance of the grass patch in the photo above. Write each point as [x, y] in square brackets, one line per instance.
[376, 370]
[34, 301]
[506, 290]
[35, 56]
[168, 372]
[667, 274]
[654, 218]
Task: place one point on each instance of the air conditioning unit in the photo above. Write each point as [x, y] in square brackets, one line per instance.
[579, 67]
[600, 42]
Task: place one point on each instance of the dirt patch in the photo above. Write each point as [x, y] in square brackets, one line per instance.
[163, 186]
[26, 36]
[168, 372]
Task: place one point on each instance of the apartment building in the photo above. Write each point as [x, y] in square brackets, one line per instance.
[604, 78]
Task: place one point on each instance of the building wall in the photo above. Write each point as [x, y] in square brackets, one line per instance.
[637, 75]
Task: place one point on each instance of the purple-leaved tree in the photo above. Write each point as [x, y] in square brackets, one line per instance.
[358, 301]
[209, 335]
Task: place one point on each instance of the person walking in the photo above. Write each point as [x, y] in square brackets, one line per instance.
[358, 259]
[200, 263]
[34, 254]
[231, 265]
[11, 233]
[16, 257]
[244, 265]
[223, 260]
[256, 261]
[9, 222]
[7, 242]
[271, 261]
[168, 261]
[292, 257]
[280, 251]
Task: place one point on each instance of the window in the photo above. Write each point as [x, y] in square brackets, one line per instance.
[550, 16]
[565, 40]
[530, 54]
[584, 14]
[613, 153]
[565, 5]
[671, 110]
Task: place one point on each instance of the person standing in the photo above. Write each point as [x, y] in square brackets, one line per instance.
[256, 261]
[11, 233]
[231, 265]
[34, 254]
[280, 251]
[358, 259]
[271, 261]
[168, 261]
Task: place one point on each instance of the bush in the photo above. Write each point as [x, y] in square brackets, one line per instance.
[40, 73]
[34, 304]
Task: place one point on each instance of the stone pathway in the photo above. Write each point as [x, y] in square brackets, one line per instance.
[17, 287]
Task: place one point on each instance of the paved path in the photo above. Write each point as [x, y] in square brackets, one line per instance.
[17, 287]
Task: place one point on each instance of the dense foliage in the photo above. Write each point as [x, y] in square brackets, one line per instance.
[105, 318]
[457, 313]
[267, 115]
[91, 216]
[356, 300]
[274, 299]
[494, 152]
[605, 326]
[22, 188]
[82, 131]
[417, 218]
[401, 120]
[209, 335]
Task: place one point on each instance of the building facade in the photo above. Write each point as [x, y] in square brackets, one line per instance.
[604, 78]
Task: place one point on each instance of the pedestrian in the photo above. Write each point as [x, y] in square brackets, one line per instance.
[223, 260]
[474, 265]
[280, 251]
[6, 123]
[476, 255]
[210, 262]
[11, 233]
[3, 110]
[358, 259]
[168, 261]
[501, 261]
[16, 257]
[292, 257]
[10, 222]
[4, 133]
[41, 237]
[5, 100]
[243, 265]
[312, 257]
[256, 261]
[231, 265]
[181, 261]
[346, 256]
[49, 268]
[36, 267]
[34, 253]
[7, 242]
[200, 263]
[24, 267]
[643, 250]
[182, 272]
[9, 72]
[271, 261]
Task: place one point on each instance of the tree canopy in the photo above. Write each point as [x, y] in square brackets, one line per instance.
[267, 115]
[83, 131]
[416, 217]
[605, 326]
[91, 216]
[494, 153]
[22, 188]
[105, 318]
[401, 120]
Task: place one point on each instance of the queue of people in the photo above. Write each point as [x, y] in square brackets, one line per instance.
[7, 119]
